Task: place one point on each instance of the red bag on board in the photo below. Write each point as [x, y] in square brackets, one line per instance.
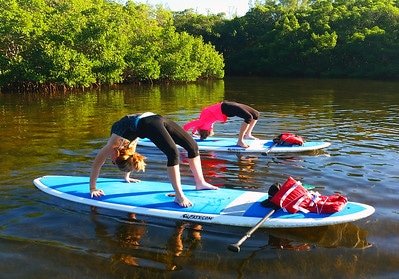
[293, 197]
[288, 139]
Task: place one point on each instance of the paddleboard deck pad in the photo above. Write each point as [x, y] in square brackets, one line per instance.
[224, 206]
[255, 146]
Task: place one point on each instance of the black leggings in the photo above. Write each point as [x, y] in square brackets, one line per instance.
[247, 113]
[165, 134]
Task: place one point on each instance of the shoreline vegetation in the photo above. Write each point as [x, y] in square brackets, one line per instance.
[59, 45]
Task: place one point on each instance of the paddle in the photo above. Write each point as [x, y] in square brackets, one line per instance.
[236, 246]
[270, 148]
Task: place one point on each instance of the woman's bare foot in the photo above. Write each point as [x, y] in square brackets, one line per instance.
[251, 137]
[183, 202]
[132, 216]
[242, 144]
[206, 186]
[133, 180]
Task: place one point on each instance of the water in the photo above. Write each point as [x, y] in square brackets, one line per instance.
[42, 236]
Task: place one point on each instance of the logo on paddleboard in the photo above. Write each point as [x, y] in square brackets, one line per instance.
[235, 149]
[196, 217]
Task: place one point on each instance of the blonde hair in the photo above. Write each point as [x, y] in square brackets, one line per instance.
[128, 160]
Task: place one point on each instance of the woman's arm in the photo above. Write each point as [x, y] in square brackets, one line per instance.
[133, 144]
[128, 179]
[99, 161]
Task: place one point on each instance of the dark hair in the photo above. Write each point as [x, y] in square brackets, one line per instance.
[124, 164]
[204, 134]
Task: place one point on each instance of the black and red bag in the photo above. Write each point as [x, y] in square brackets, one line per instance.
[293, 197]
[288, 139]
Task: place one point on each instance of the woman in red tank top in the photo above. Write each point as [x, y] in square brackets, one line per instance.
[219, 113]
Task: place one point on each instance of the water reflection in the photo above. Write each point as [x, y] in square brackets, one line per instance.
[254, 171]
[131, 231]
[61, 133]
[239, 167]
[230, 171]
[345, 235]
[246, 167]
[213, 168]
[132, 247]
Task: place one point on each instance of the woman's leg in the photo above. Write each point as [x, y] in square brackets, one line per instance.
[247, 113]
[174, 177]
[243, 131]
[196, 169]
[154, 129]
[248, 133]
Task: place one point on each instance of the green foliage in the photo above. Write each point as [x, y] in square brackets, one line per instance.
[336, 38]
[77, 43]
[187, 58]
[198, 25]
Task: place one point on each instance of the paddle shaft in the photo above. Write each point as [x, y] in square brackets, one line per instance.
[236, 247]
[270, 148]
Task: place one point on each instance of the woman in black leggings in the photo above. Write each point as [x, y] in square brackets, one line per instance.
[165, 134]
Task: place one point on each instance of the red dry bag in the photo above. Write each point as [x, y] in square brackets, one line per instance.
[293, 197]
[288, 139]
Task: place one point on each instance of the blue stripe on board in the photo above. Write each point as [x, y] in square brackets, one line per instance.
[217, 142]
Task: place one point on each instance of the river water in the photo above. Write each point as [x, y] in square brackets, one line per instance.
[59, 134]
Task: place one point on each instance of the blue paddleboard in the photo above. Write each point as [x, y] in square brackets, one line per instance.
[255, 146]
[224, 206]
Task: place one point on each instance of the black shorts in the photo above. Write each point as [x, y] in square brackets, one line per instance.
[245, 112]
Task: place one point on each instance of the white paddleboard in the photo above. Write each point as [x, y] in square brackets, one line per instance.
[255, 146]
[224, 206]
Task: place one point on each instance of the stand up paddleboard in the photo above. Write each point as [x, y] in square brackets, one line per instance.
[224, 206]
[255, 146]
